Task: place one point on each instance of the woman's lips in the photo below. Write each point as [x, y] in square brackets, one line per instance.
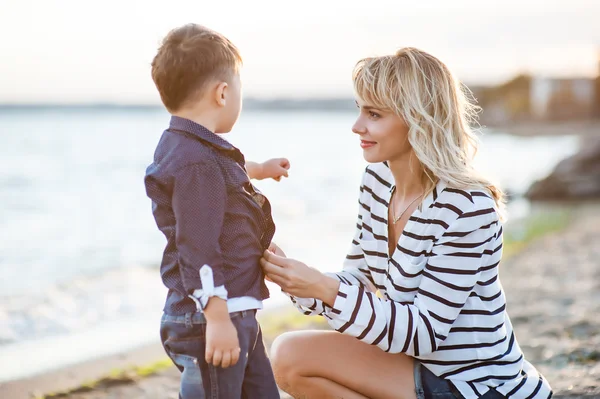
[367, 144]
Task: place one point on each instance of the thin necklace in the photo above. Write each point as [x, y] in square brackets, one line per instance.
[396, 218]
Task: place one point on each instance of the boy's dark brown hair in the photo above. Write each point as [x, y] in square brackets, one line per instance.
[190, 57]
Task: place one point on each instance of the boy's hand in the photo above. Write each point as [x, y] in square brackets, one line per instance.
[275, 169]
[222, 344]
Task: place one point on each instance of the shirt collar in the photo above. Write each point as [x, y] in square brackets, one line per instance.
[430, 199]
[434, 195]
[197, 130]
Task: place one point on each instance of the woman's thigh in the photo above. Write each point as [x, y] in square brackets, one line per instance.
[363, 368]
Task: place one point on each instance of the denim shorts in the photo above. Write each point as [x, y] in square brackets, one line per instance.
[430, 386]
[184, 340]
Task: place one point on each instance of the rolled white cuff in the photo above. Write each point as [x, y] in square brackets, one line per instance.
[208, 290]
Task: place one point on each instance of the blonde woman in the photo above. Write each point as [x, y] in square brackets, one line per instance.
[418, 308]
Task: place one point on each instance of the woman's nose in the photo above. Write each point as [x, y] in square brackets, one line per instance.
[358, 127]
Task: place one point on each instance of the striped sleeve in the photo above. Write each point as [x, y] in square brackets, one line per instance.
[470, 245]
[308, 306]
[354, 272]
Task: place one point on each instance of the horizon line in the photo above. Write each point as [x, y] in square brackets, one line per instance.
[280, 100]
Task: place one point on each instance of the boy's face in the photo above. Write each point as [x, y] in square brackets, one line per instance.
[233, 104]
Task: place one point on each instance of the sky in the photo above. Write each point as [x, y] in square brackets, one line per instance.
[72, 51]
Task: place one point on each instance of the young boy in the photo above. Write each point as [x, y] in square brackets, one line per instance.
[216, 223]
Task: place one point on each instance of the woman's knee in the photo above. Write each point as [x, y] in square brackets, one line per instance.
[285, 357]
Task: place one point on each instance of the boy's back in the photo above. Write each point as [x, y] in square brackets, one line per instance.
[217, 225]
[198, 174]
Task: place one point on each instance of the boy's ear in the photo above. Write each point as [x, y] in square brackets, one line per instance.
[220, 94]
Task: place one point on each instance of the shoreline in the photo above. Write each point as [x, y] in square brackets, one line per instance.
[63, 351]
[558, 340]
[84, 373]
[71, 377]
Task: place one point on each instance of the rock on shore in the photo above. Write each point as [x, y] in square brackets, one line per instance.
[576, 177]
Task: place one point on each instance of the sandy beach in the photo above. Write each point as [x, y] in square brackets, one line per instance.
[554, 307]
[127, 128]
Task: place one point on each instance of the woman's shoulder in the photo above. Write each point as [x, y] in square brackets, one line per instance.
[473, 205]
[378, 177]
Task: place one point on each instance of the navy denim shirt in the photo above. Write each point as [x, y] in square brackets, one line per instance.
[210, 213]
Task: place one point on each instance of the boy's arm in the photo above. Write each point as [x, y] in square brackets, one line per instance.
[222, 342]
[199, 198]
[273, 168]
[254, 170]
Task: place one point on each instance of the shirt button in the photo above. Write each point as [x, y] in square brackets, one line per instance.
[205, 272]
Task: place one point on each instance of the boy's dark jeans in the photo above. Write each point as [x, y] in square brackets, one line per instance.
[184, 339]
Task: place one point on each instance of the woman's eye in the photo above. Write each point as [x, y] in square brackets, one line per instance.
[374, 114]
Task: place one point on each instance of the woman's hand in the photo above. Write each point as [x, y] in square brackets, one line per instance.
[298, 279]
[276, 250]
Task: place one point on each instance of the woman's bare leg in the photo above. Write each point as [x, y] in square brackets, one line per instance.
[318, 387]
[327, 364]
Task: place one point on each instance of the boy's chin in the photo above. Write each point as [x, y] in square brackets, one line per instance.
[225, 127]
[224, 130]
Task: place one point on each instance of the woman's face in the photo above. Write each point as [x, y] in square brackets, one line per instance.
[383, 134]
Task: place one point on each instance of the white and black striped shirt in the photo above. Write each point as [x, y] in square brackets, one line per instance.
[440, 299]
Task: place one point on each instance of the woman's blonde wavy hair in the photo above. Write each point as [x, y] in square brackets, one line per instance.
[438, 110]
